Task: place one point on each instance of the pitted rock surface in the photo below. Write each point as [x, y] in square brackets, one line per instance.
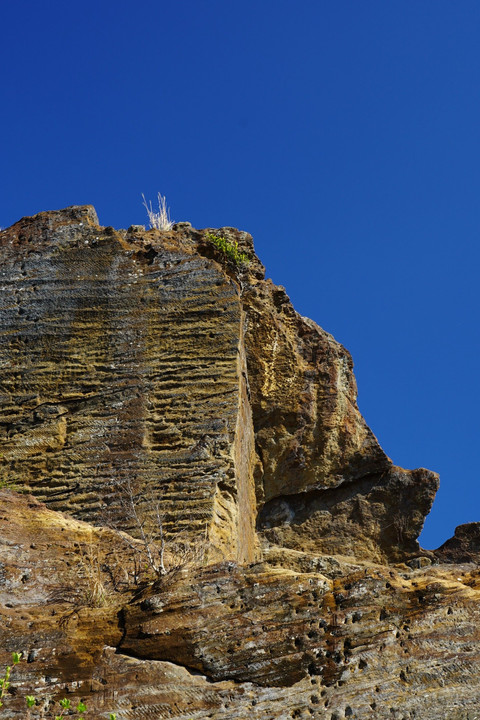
[227, 641]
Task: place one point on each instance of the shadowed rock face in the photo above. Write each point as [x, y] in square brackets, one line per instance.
[151, 386]
[379, 516]
[464, 547]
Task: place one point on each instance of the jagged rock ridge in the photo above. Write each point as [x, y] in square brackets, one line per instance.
[145, 371]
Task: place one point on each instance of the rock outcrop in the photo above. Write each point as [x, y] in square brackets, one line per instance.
[196, 520]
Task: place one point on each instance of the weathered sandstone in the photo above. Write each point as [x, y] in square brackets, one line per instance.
[122, 362]
[152, 388]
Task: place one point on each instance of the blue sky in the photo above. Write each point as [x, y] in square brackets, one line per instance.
[345, 136]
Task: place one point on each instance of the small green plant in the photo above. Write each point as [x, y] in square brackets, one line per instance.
[5, 681]
[66, 707]
[65, 703]
[229, 249]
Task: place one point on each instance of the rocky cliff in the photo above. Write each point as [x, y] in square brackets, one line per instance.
[196, 521]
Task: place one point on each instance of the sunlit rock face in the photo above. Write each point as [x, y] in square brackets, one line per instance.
[123, 370]
[212, 529]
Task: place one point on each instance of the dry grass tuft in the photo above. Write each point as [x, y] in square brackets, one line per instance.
[159, 220]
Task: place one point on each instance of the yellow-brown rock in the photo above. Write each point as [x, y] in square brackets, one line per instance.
[224, 641]
[122, 363]
[154, 389]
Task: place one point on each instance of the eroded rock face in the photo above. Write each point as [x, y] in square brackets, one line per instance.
[143, 365]
[122, 364]
[152, 386]
[309, 432]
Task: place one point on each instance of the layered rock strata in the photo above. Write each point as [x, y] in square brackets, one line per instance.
[123, 377]
[316, 637]
[212, 530]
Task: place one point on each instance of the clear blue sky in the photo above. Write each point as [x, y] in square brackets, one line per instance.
[344, 135]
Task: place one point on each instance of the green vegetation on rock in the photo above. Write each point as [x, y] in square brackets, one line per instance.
[65, 703]
[229, 249]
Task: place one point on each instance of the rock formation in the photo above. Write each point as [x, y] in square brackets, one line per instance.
[196, 521]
